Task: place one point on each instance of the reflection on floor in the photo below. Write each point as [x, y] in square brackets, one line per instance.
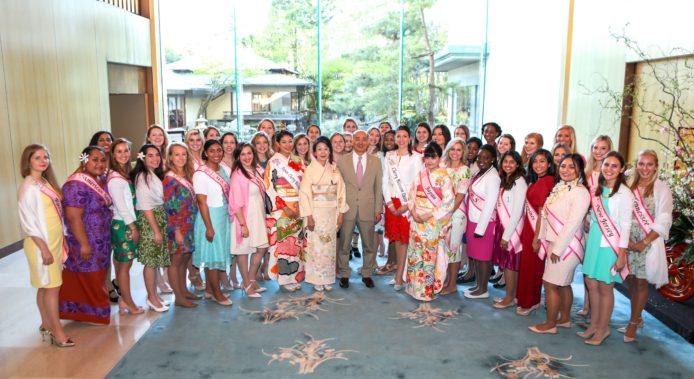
[357, 332]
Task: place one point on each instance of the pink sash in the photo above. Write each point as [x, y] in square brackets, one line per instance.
[576, 246]
[641, 213]
[55, 200]
[515, 245]
[609, 232]
[216, 178]
[184, 182]
[532, 217]
[92, 184]
[433, 194]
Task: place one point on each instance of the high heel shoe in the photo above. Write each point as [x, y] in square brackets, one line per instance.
[585, 334]
[44, 333]
[123, 309]
[113, 295]
[259, 289]
[67, 343]
[161, 309]
[254, 295]
[596, 342]
[638, 324]
[526, 311]
[115, 286]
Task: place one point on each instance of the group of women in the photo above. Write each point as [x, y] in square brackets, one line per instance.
[271, 208]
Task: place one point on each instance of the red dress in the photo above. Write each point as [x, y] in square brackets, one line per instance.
[531, 266]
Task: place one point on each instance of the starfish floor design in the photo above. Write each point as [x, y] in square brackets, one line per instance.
[536, 364]
[308, 355]
[425, 315]
[295, 307]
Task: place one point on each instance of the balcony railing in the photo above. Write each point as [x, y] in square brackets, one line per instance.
[132, 6]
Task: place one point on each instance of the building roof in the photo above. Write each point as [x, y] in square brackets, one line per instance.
[276, 80]
[455, 56]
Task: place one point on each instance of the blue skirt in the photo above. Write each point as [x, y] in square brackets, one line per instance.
[214, 255]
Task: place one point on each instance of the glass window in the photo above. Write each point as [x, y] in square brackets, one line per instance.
[177, 111]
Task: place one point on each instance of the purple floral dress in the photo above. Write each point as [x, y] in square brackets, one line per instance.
[83, 296]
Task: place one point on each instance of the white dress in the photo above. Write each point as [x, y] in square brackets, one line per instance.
[257, 237]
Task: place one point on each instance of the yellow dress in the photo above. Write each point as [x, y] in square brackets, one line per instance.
[55, 245]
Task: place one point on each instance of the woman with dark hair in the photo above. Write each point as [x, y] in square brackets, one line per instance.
[40, 217]
[649, 229]
[302, 148]
[441, 135]
[211, 186]
[491, 131]
[323, 205]
[181, 208]
[454, 162]
[283, 180]
[103, 139]
[481, 204]
[422, 136]
[540, 179]
[430, 202]
[509, 210]
[268, 127]
[312, 133]
[462, 132]
[247, 210]
[229, 143]
[400, 168]
[559, 151]
[83, 296]
[152, 220]
[388, 142]
[506, 143]
[124, 233]
[473, 147]
[561, 239]
[156, 135]
[605, 262]
[385, 127]
[211, 132]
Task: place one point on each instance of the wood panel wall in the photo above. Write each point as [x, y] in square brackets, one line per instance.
[54, 82]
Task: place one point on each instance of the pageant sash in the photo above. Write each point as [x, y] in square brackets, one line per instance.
[57, 204]
[433, 195]
[283, 168]
[641, 213]
[216, 178]
[92, 184]
[609, 232]
[395, 175]
[576, 246]
[515, 244]
[184, 182]
[532, 217]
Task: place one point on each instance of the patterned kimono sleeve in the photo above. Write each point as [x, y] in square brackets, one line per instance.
[446, 208]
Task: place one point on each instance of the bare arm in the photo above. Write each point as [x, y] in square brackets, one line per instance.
[205, 213]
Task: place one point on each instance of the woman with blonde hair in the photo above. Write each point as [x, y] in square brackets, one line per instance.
[156, 135]
[566, 134]
[40, 217]
[268, 127]
[600, 146]
[194, 140]
[533, 143]
[649, 230]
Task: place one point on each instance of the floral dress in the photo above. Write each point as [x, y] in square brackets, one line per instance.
[286, 236]
[461, 181]
[181, 207]
[427, 259]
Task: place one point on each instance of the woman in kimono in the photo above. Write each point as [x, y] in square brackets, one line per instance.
[649, 230]
[181, 208]
[509, 208]
[605, 261]
[562, 241]
[323, 203]
[430, 203]
[40, 216]
[283, 180]
[83, 296]
[124, 232]
[454, 162]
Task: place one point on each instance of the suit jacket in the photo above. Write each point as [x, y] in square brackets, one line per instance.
[367, 200]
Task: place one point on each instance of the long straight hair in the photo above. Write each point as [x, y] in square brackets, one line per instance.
[125, 169]
[508, 181]
[141, 168]
[532, 177]
[446, 153]
[620, 179]
[48, 175]
[592, 164]
[237, 165]
[572, 132]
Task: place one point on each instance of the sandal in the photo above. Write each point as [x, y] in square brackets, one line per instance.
[113, 296]
[385, 270]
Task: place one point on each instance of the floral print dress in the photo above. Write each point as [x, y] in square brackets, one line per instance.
[181, 207]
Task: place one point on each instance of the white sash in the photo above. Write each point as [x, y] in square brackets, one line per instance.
[532, 217]
[92, 184]
[576, 246]
[609, 232]
[395, 175]
[429, 189]
[515, 245]
[216, 178]
[184, 182]
[283, 168]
